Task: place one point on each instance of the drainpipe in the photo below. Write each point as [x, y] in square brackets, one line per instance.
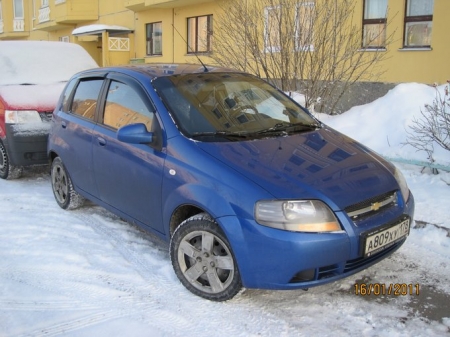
[105, 50]
[173, 35]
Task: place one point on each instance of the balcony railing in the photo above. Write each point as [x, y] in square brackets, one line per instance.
[18, 25]
[44, 14]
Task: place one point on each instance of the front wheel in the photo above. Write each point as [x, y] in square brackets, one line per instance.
[65, 195]
[8, 171]
[203, 260]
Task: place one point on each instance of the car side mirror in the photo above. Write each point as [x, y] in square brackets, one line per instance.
[135, 134]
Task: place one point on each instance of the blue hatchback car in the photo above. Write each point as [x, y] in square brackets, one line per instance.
[247, 186]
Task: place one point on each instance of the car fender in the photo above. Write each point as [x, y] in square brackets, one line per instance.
[196, 195]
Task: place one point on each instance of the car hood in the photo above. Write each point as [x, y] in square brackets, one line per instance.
[38, 97]
[322, 164]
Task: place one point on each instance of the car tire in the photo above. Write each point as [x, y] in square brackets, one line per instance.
[65, 195]
[203, 259]
[8, 171]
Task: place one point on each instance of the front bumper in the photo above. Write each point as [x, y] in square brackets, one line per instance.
[27, 143]
[275, 259]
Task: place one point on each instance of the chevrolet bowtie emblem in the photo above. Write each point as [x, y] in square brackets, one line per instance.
[375, 206]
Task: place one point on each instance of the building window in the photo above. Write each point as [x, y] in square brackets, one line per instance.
[374, 23]
[418, 23]
[272, 41]
[199, 34]
[304, 22]
[18, 9]
[1, 15]
[154, 38]
[44, 3]
[281, 18]
[64, 39]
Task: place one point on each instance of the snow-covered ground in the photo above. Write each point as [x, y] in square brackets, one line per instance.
[88, 273]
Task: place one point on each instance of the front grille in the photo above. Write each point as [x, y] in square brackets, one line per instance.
[371, 206]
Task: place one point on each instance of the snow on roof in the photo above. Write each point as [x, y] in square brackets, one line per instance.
[41, 62]
[96, 29]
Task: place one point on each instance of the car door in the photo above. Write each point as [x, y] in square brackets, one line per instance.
[77, 116]
[128, 176]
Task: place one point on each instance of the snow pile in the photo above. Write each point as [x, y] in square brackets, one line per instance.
[383, 124]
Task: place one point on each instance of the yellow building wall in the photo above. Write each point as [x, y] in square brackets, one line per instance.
[174, 30]
[180, 42]
[400, 65]
[164, 15]
[418, 65]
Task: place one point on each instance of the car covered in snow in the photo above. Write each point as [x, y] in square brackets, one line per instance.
[249, 189]
[32, 76]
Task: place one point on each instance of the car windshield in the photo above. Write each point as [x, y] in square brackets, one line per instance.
[230, 106]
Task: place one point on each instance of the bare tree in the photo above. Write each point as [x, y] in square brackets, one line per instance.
[307, 44]
[433, 127]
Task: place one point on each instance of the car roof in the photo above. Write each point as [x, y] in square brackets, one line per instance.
[155, 70]
[41, 62]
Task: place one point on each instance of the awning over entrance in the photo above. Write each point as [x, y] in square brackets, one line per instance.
[99, 29]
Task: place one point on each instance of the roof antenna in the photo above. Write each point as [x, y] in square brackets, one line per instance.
[195, 53]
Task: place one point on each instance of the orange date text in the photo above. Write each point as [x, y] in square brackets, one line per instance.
[382, 289]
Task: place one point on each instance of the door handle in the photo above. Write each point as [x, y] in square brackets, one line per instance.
[101, 141]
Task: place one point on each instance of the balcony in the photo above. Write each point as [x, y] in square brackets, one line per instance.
[141, 5]
[18, 25]
[61, 14]
[13, 29]
[44, 14]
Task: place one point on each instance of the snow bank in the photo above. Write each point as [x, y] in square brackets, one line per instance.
[382, 125]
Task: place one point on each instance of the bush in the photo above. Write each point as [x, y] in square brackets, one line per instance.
[433, 126]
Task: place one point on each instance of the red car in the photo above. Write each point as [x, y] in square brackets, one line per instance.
[32, 76]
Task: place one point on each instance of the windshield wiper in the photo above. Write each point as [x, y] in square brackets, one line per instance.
[224, 134]
[284, 128]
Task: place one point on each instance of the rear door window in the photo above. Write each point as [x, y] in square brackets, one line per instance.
[85, 98]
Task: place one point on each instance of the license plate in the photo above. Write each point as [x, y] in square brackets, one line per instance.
[375, 243]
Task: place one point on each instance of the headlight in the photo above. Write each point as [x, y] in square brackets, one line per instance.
[296, 215]
[22, 116]
[402, 183]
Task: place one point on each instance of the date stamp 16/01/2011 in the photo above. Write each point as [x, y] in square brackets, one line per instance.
[382, 289]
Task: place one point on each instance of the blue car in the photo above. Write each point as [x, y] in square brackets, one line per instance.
[249, 189]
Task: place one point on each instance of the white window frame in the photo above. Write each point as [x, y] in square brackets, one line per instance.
[15, 9]
[268, 47]
[301, 47]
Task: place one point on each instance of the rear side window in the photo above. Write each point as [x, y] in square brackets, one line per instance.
[85, 98]
[125, 106]
[66, 96]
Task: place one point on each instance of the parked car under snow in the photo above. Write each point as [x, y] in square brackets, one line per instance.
[32, 76]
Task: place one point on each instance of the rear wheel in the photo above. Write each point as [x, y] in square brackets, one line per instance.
[65, 195]
[8, 171]
[203, 260]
